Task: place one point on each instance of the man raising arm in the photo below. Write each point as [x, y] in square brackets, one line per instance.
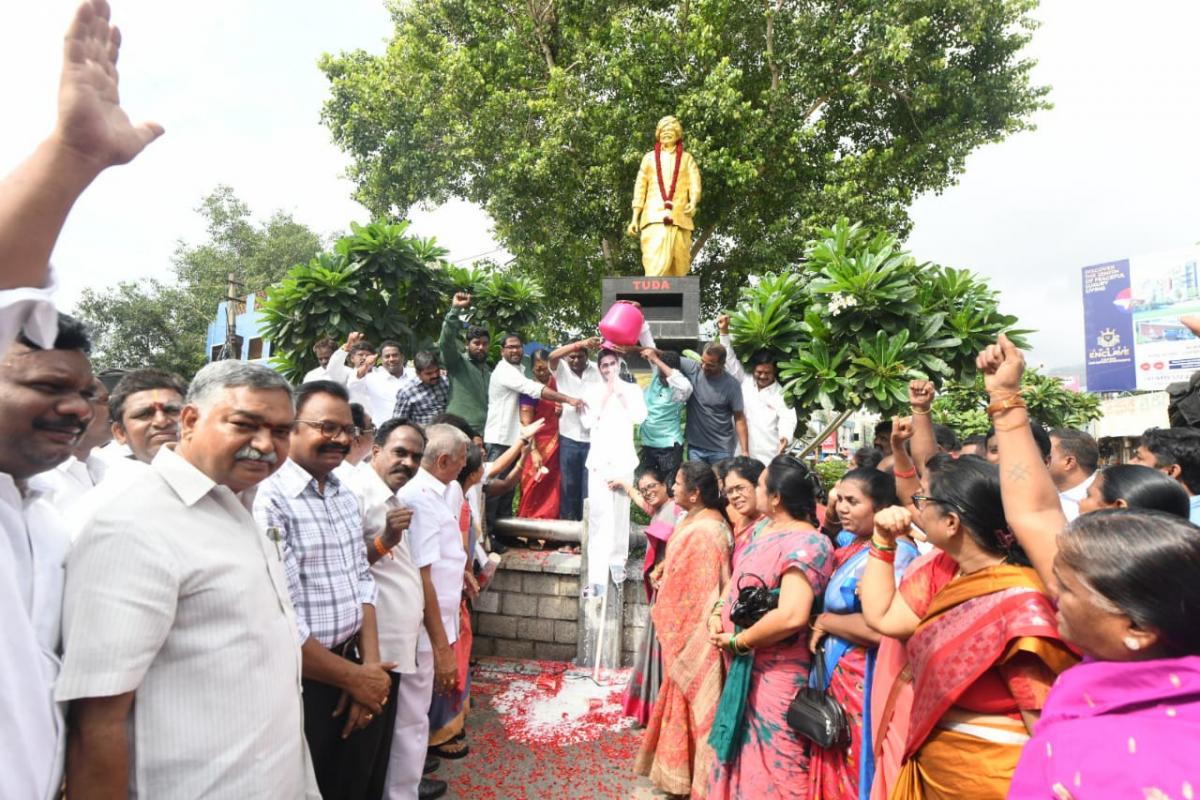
[92, 134]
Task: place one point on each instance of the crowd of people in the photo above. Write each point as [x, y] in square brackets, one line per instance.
[236, 587]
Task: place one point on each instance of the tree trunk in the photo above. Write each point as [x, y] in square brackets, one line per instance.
[799, 450]
[698, 245]
[606, 248]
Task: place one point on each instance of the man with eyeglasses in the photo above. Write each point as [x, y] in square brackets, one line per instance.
[317, 522]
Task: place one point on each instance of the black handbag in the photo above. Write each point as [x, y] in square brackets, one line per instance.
[816, 716]
[753, 602]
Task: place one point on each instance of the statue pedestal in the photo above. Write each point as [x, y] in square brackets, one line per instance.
[671, 306]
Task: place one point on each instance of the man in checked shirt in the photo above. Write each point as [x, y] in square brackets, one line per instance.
[316, 521]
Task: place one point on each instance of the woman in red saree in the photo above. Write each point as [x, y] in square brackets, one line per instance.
[986, 651]
[675, 754]
[541, 477]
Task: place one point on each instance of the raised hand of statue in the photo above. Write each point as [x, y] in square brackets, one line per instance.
[91, 122]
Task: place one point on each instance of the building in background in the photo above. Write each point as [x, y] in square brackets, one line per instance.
[247, 340]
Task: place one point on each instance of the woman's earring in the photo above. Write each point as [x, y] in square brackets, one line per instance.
[1132, 643]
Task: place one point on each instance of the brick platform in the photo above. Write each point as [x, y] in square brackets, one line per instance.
[531, 610]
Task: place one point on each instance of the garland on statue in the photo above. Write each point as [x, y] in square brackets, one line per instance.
[662, 189]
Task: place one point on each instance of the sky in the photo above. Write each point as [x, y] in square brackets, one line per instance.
[1111, 171]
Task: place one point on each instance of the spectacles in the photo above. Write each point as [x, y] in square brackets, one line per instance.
[739, 489]
[172, 410]
[330, 430]
[367, 431]
[920, 500]
[646, 488]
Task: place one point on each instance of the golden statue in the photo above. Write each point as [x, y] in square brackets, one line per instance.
[664, 200]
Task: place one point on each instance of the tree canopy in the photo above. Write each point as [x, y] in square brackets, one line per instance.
[385, 283]
[962, 405]
[797, 112]
[861, 318]
[161, 324]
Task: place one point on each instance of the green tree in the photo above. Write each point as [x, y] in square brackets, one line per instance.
[963, 406]
[797, 113]
[163, 323]
[145, 324]
[386, 284]
[861, 318]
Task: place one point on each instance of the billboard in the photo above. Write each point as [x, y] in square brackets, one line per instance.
[1131, 310]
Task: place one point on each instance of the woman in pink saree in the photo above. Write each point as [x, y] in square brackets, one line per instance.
[765, 758]
[1126, 722]
[675, 754]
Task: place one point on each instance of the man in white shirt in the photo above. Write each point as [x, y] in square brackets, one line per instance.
[92, 133]
[505, 387]
[574, 373]
[326, 369]
[1074, 456]
[400, 601]
[435, 544]
[67, 482]
[45, 407]
[144, 407]
[771, 423]
[385, 381]
[361, 363]
[192, 652]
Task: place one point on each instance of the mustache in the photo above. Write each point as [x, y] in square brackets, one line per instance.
[249, 453]
[76, 426]
[401, 469]
[334, 448]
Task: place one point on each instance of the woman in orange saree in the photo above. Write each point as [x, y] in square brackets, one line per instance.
[986, 651]
[674, 753]
[541, 479]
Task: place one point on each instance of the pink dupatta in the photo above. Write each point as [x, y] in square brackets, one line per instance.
[1117, 729]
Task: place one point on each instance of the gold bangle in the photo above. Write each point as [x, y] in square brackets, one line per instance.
[882, 544]
[922, 413]
[1005, 404]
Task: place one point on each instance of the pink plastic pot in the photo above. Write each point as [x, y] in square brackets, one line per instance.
[622, 324]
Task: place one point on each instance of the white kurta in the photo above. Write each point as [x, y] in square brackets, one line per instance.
[768, 416]
[30, 731]
[610, 419]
